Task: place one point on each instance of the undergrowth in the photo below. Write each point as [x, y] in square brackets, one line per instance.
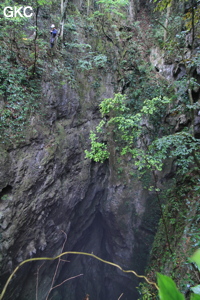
[182, 213]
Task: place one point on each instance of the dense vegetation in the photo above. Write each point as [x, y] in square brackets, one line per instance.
[135, 128]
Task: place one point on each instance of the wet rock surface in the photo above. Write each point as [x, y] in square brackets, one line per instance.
[51, 194]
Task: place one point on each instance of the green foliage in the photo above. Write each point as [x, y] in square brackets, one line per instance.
[100, 60]
[81, 55]
[19, 87]
[99, 152]
[129, 128]
[18, 101]
[116, 104]
[162, 4]
[196, 289]
[192, 16]
[168, 289]
[195, 297]
[111, 6]
[84, 64]
[196, 258]
[44, 2]
[181, 145]
[80, 46]
[181, 213]
[145, 293]
[91, 61]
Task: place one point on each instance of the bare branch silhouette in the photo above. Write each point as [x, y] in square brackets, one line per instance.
[57, 266]
[72, 253]
[120, 296]
[66, 280]
[37, 280]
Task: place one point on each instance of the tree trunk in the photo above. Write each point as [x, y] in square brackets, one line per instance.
[133, 10]
[63, 6]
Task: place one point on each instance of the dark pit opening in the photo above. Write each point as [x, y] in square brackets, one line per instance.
[99, 280]
[6, 190]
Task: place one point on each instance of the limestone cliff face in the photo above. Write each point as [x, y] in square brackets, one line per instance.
[53, 199]
[50, 191]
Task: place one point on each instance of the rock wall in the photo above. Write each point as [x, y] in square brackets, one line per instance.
[51, 194]
[53, 199]
[174, 70]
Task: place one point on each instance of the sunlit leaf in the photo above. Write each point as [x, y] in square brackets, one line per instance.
[196, 258]
[195, 297]
[168, 289]
[196, 289]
